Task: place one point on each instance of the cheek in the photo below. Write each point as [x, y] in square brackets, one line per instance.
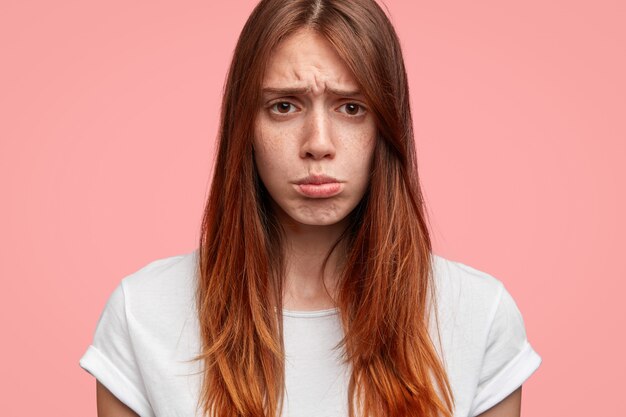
[359, 150]
[266, 165]
[270, 157]
[262, 147]
[276, 143]
[266, 139]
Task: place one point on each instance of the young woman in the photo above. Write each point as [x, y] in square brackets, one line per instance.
[314, 290]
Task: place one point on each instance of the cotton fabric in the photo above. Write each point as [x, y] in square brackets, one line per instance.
[148, 332]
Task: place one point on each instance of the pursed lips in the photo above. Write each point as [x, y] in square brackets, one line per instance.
[317, 179]
[319, 186]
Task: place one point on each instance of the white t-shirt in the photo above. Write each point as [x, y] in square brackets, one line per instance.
[148, 332]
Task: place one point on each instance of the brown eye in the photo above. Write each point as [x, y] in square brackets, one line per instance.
[352, 109]
[282, 107]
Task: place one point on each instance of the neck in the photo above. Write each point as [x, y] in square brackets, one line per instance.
[306, 286]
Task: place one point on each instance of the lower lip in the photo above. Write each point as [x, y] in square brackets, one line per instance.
[320, 190]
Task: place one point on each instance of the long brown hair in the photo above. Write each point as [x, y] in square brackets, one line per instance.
[386, 286]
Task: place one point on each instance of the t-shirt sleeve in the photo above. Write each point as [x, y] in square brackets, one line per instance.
[111, 358]
[509, 359]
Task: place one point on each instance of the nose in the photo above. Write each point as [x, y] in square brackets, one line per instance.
[317, 141]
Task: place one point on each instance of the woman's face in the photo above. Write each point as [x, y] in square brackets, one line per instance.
[313, 122]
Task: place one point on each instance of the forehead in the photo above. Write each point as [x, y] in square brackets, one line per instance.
[307, 59]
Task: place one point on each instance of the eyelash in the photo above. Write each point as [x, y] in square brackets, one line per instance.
[271, 106]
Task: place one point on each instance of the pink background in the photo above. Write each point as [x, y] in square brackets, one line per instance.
[108, 115]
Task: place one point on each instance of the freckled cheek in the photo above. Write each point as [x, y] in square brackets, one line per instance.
[360, 141]
[278, 145]
[265, 143]
[273, 158]
[268, 163]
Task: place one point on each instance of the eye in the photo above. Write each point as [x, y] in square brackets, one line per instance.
[352, 109]
[282, 107]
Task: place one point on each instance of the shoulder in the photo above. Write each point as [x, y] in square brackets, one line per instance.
[162, 274]
[467, 302]
[163, 270]
[485, 346]
[457, 282]
[163, 287]
[483, 337]
[146, 333]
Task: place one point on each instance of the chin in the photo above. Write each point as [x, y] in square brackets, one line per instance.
[301, 213]
[318, 219]
[319, 222]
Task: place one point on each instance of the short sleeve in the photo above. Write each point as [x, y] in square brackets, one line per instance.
[509, 359]
[111, 358]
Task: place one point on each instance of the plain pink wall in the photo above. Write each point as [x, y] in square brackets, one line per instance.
[108, 115]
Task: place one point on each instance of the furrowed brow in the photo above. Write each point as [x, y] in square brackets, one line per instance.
[344, 93]
[286, 91]
[304, 90]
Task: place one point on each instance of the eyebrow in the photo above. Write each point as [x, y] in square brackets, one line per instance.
[303, 90]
